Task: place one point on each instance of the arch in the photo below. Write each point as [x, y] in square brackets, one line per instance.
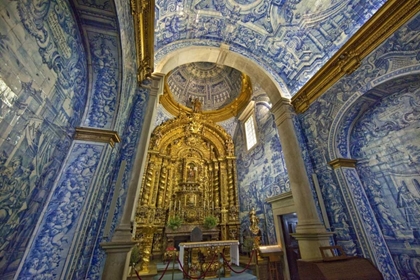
[358, 104]
[225, 57]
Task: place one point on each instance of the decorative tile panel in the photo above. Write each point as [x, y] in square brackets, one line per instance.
[54, 235]
[290, 39]
[342, 121]
[44, 67]
[129, 145]
[104, 53]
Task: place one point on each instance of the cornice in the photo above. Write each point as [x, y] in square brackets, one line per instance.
[97, 135]
[143, 12]
[228, 111]
[391, 16]
[342, 162]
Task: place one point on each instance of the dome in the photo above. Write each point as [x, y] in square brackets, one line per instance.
[215, 86]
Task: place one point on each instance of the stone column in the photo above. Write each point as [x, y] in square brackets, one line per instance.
[116, 265]
[310, 232]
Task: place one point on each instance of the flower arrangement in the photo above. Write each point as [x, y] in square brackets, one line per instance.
[210, 222]
[174, 223]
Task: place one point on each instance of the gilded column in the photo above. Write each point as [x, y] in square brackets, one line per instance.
[162, 185]
[156, 181]
[148, 186]
[230, 184]
[216, 182]
[310, 232]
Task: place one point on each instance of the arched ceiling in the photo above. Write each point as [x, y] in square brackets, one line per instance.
[215, 86]
[290, 39]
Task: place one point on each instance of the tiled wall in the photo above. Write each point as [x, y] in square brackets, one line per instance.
[48, 83]
[52, 86]
[372, 116]
[261, 170]
[385, 141]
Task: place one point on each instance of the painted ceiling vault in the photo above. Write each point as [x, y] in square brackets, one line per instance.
[290, 39]
[213, 85]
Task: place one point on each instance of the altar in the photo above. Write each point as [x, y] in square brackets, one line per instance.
[198, 258]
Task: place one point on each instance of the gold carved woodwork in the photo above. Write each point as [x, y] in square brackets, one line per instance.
[191, 174]
[143, 12]
[391, 16]
[231, 110]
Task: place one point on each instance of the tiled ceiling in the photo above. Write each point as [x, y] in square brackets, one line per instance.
[291, 39]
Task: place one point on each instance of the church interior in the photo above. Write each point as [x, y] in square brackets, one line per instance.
[144, 126]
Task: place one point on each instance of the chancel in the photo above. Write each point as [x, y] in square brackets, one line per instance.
[132, 130]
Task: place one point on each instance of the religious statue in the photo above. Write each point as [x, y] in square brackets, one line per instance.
[254, 221]
[191, 174]
[196, 106]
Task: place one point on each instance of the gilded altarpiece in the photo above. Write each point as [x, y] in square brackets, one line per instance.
[190, 174]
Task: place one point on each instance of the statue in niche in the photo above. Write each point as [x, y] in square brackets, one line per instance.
[229, 147]
[191, 174]
[196, 104]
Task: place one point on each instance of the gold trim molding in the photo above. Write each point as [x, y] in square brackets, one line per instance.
[391, 16]
[342, 162]
[143, 12]
[231, 110]
[97, 135]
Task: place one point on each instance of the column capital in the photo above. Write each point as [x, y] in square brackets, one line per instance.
[156, 87]
[282, 110]
[342, 162]
[97, 135]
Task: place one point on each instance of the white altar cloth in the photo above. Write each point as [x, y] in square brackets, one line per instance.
[234, 248]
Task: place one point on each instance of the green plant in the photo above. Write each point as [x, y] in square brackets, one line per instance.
[174, 223]
[135, 255]
[210, 222]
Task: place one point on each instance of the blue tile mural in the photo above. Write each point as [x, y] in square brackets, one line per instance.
[104, 54]
[378, 102]
[43, 77]
[291, 40]
[129, 144]
[385, 141]
[61, 223]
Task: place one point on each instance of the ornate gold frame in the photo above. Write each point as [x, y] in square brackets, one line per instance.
[143, 12]
[391, 16]
[231, 110]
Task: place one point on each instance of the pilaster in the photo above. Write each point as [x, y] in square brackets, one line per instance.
[116, 265]
[310, 232]
[367, 229]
